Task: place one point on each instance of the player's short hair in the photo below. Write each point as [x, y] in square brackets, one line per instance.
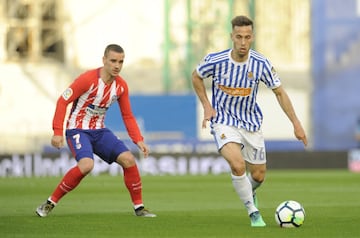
[241, 21]
[113, 47]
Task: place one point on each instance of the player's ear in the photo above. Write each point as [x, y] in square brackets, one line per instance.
[252, 37]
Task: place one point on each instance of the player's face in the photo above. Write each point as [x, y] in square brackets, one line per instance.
[113, 63]
[242, 38]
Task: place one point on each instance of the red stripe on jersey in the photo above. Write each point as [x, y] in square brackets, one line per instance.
[91, 98]
[96, 121]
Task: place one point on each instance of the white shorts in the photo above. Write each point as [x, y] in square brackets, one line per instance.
[253, 144]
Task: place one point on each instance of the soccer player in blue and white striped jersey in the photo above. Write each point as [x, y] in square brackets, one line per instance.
[234, 115]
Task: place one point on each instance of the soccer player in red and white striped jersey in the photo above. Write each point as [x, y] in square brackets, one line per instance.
[234, 115]
[91, 94]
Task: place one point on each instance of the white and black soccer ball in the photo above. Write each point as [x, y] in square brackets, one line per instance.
[290, 214]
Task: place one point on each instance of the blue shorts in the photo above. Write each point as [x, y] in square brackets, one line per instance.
[102, 142]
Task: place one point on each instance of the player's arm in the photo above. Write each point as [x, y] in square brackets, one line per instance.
[286, 105]
[130, 122]
[68, 96]
[57, 139]
[200, 90]
[128, 117]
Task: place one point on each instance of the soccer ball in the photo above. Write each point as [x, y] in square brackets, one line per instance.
[290, 214]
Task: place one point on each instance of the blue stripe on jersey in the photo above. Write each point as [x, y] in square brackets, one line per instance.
[235, 101]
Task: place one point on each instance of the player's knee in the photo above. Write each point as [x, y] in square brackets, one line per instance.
[258, 176]
[238, 169]
[126, 159]
[86, 165]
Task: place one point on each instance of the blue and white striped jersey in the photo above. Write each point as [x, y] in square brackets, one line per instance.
[235, 86]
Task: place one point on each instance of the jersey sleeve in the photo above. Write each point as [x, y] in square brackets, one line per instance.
[74, 91]
[127, 115]
[270, 76]
[205, 68]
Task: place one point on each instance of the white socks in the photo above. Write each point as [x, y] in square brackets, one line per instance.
[254, 183]
[243, 188]
[138, 205]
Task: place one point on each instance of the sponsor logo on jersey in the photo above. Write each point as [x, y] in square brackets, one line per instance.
[94, 110]
[67, 94]
[235, 91]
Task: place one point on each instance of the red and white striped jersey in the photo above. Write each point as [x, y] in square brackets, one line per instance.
[91, 98]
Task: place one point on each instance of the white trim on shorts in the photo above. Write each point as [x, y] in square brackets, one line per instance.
[253, 143]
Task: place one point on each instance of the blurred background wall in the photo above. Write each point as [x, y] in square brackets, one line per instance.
[45, 44]
[335, 37]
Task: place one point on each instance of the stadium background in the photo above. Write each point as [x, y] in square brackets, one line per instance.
[45, 44]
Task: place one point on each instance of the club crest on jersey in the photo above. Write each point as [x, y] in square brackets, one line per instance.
[250, 75]
[273, 71]
[67, 93]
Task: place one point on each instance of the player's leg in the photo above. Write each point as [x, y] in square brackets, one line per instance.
[132, 177]
[256, 175]
[132, 180]
[229, 142]
[85, 163]
[232, 154]
[111, 149]
[72, 178]
[255, 156]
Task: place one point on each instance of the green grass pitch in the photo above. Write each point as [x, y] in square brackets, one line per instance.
[187, 206]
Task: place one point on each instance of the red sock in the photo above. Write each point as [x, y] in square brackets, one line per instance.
[71, 179]
[133, 183]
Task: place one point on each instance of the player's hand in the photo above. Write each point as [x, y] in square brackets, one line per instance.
[300, 134]
[208, 114]
[57, 141]
[144, 148]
